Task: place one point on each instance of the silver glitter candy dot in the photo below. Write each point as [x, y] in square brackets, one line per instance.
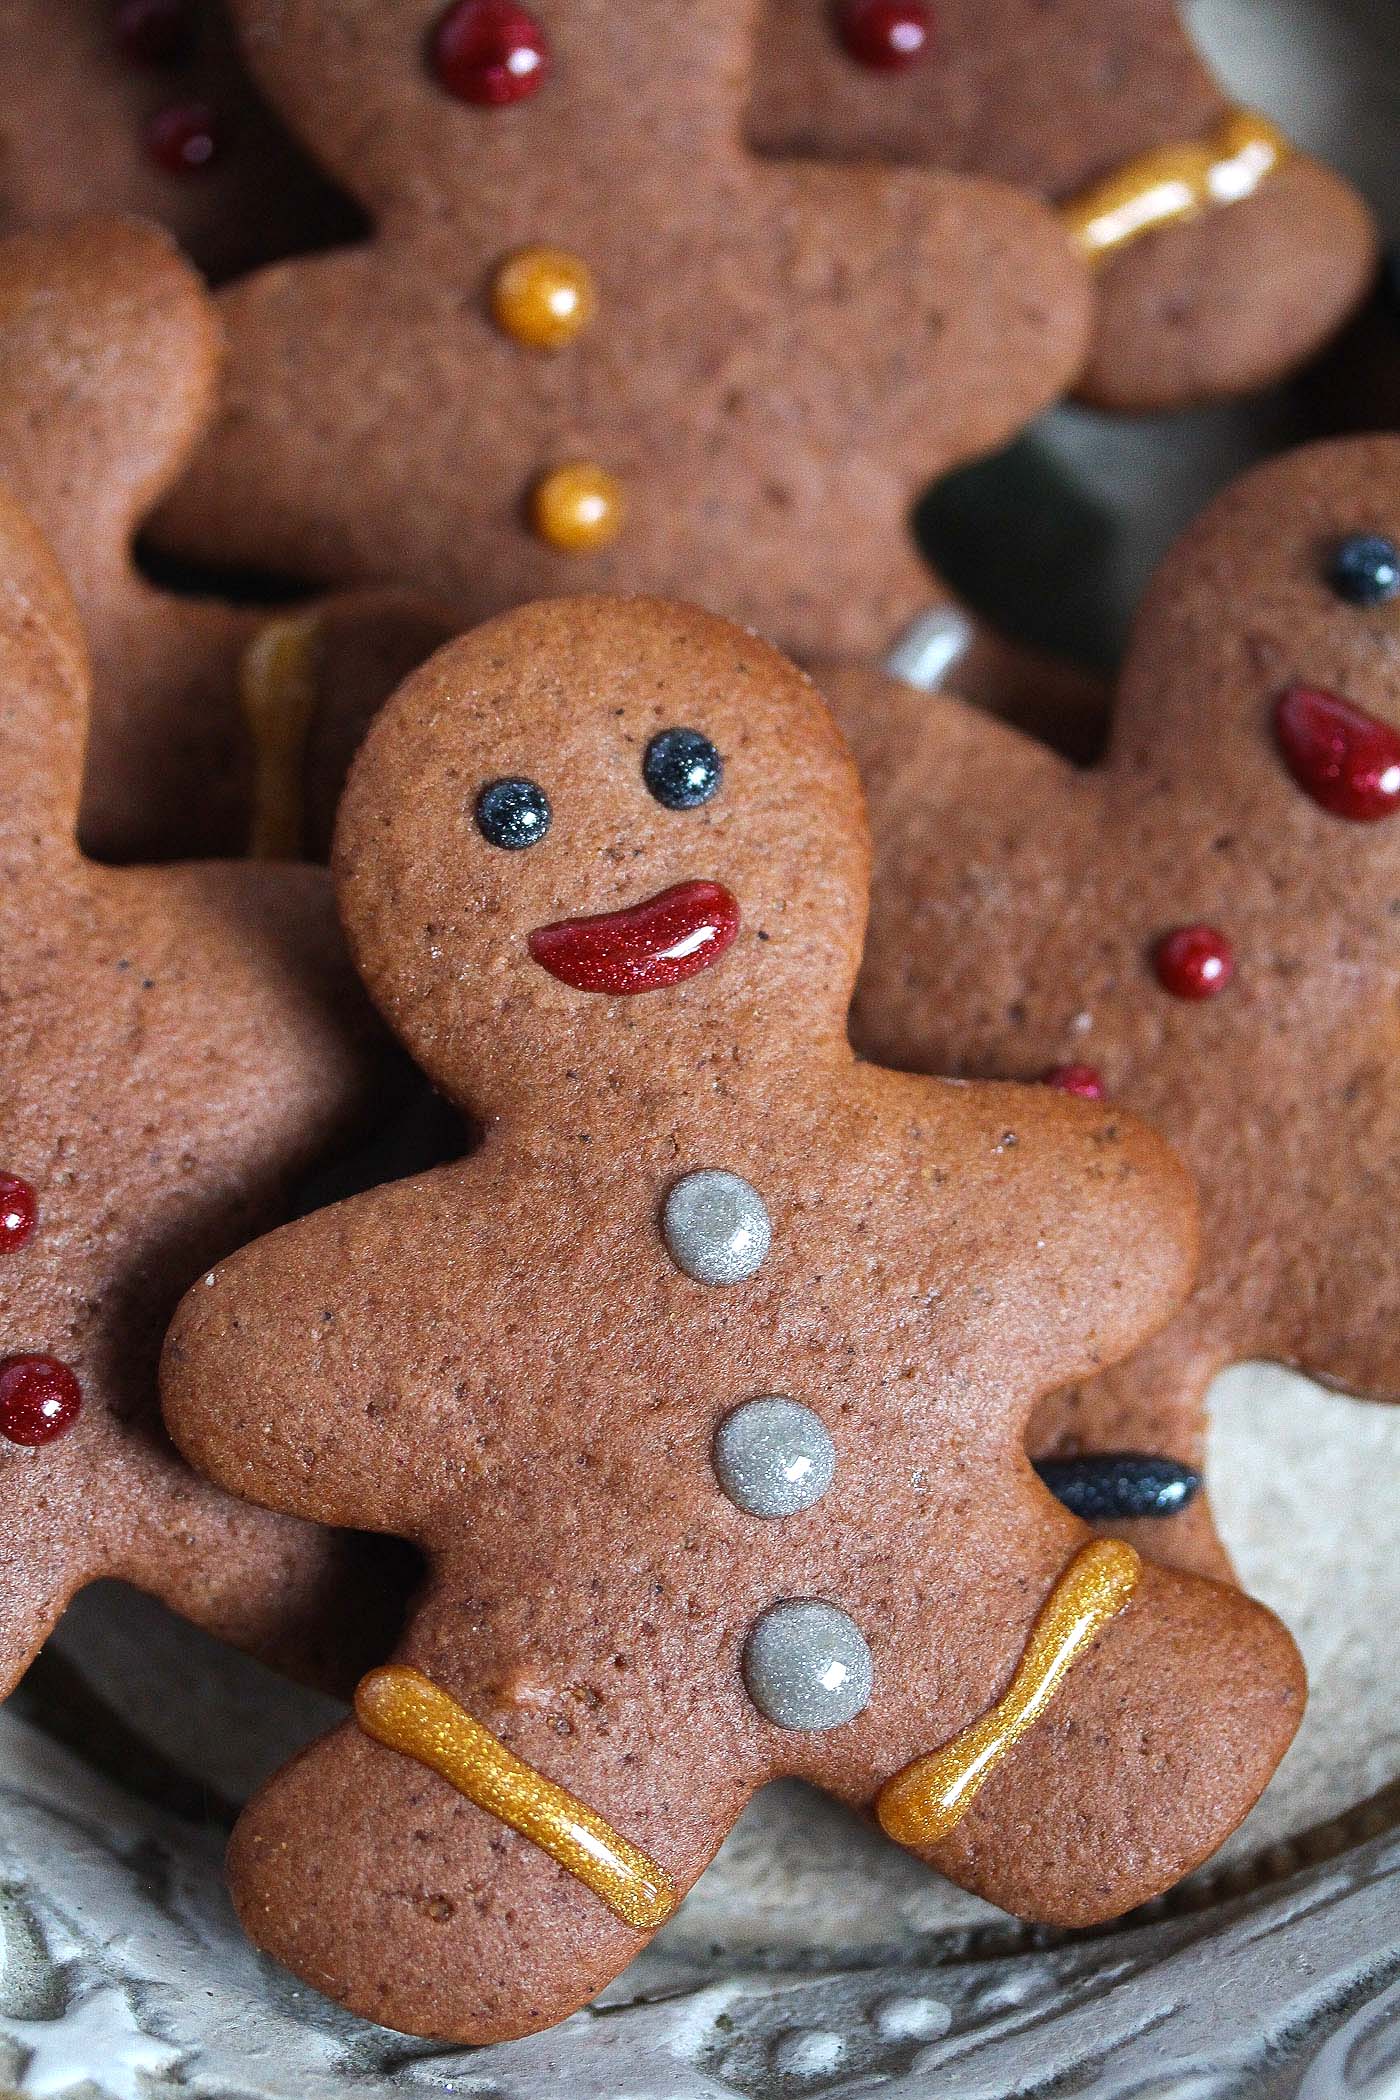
[717, 1227]
[774, 1457]
[807, 1665]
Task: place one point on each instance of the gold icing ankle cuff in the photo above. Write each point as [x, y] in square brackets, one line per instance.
[1174, 183]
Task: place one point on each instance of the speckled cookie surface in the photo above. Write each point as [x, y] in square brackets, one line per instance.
[1061, 98]
[109, 358]
[547, 371]
[146, 106]
[523, 1362]
[177, 1046]
[1204, 926]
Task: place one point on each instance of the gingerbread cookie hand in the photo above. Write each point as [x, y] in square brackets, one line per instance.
[209, 726]
[544, 366]
[177, 1046]
[1201, 929]
[704, 1382]
[1222, 259]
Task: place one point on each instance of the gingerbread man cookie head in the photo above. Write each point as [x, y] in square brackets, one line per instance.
[544, 371]
[1264, 669]
[1222, 259]
[630, 799]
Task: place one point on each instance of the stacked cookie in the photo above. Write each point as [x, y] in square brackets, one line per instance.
[709, 1384]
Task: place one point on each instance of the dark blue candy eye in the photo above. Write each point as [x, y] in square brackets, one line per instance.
[513, 814]
[682, 768]
[1364, 569]
[1114, 1485]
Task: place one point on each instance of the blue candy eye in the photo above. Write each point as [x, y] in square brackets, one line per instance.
[1364, 569]
[682, 769]
[513, 814]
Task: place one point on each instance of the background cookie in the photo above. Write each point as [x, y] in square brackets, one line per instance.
[555, 1365]
[1202, 928]
[146, 106]
[1110, 112]
[177, 1045]
[546, 366]
[109, 357]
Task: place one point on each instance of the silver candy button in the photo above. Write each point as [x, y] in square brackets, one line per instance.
[717, 1227]
[773, 1457]
[807, 1665]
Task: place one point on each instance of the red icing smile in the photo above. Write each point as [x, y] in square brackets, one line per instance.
[1346, 759]
[671, 937]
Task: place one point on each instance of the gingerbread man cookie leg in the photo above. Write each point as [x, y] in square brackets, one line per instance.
[1221, 258]
[109, 356]
[1201, 928]
[176, 1048]
[703, 1384]
[517, 388]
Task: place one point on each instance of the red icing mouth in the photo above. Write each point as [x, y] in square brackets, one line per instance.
[1346, 759]
[673, 936]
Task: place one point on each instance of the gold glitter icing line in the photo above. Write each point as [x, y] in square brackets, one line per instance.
[930, 1797]
[277, 687]
[1174, 183]
[406, 1711]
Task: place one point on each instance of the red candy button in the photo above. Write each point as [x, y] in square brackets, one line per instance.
[183, 139]
[153, 32]
[490, 52]
[1194, 962]
[19, 1208]
[671, 937]
[40, 1399]
[886, 35]
[1080, 1080]
[1346, 759]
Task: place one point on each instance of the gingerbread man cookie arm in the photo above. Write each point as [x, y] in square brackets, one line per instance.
[43, 720]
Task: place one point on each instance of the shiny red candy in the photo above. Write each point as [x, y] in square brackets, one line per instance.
[886, 35]
[40, 1399]
[1194, 962]
[19, 1208]
[1346, 759]
[1081, 1080]
[153, 32]
[490, 52]
[183, 139]
[671, 937]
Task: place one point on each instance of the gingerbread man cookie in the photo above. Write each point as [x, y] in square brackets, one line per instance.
[1222, 259]
[1202, 929]
[146, 106]
[207, 716]
[593, 336]
[703, 1383]
[176, 1047]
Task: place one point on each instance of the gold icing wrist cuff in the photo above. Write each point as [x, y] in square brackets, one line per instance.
[930, 1797]
[278, 690]
[406, 1711]
[1174, 183]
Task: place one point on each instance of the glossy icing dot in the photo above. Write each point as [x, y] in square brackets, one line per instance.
[682, 768]
[1114, 1485]
[183, 139]
[1365, 569]
[1194, 962]
[19, 1211]
[153, 32]
[578, 508]
[1346, 759]
[513, 814]
[667, 940]
[717, 1227]
[543, 297]
[807, 1665]
[774, 1457]
[40, 1400]
[490, 52]
[1084, 1081]
[886, 35]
